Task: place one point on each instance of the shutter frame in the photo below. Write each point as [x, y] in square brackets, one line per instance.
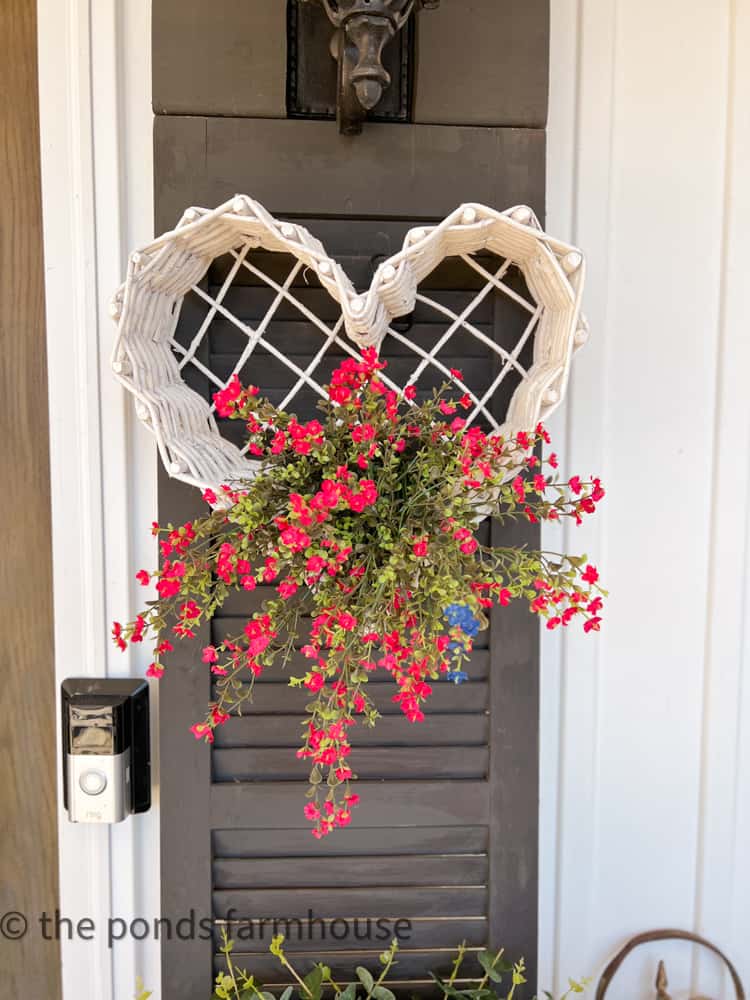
[202, 161]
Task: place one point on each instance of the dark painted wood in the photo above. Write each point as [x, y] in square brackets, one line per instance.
[28, 759]
[305, 168]
[477, 61]
[419, 988]
[394, 870]
[478, 667]
[227, 57]
[185, 786]
[315, 935]
[460, 816]
[411, 963]
[276, 805]
[392, 730]
[514, 766]
[374, 901]
[277, 698]
[281, 764]
[398, 840]
[514, 763]
[483, 62]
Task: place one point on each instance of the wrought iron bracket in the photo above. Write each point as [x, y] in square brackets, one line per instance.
[363, 29]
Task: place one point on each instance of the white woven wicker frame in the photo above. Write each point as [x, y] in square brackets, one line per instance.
[149, 362]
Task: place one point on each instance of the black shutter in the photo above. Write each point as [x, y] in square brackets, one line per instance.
[449, 840]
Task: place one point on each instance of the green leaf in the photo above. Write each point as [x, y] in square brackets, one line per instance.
[350, 993]
[141, 993]
[449, 990]
[276, 944]
[383, 993]
[287, 994]
[490, 965]
[518, 977]
[365, 978]
[313, 982]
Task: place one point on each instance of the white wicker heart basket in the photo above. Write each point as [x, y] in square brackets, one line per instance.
[150, 362]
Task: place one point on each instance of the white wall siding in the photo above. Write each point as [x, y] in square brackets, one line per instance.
[648, 132]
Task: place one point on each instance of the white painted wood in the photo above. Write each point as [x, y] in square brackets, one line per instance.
[735, 367]
[578, 665]
[96, 176]
[561, 152]
[652, 778]
[721, 891]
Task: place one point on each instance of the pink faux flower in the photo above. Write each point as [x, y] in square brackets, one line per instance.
[287, 589]
[419, 548]
[314, 681]
[590, 574]
[202, 731]
[340, 394]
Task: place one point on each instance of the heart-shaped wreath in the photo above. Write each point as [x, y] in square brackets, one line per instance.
[151, 362]
[363, 520]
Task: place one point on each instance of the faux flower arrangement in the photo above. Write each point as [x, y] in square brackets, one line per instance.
[364, 522]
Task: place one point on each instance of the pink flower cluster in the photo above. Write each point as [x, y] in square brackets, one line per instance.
[351, 522]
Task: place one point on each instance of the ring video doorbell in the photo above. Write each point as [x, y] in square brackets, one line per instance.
[106, 749]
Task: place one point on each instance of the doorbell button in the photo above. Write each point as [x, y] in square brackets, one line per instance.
[93, 782]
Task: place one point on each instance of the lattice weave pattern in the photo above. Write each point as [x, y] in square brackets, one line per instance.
[150, 362]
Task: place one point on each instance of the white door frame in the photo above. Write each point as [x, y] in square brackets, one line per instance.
[96, 153]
